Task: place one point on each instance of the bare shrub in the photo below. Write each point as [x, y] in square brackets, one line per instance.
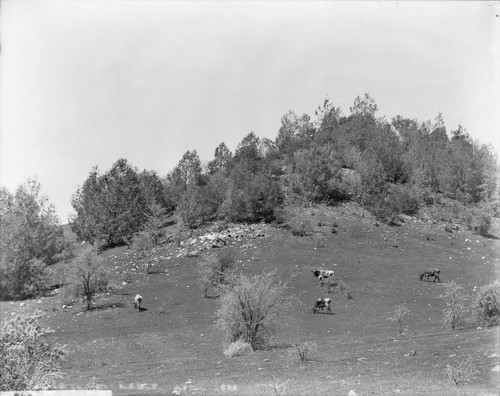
[27, 360]
[399, 314]
[237, 348]
[454, 299]
[486, 306]
[89, 278]
[248, 310]
[302, 351]
[461, 373]
[279, 386]
[216, 271]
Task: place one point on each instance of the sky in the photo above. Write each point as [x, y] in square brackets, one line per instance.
[84, 83]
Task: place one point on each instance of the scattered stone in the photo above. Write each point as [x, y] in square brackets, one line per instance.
[411, 353]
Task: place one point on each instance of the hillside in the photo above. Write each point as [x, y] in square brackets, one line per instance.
[172, 347]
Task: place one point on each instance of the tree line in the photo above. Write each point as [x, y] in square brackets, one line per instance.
[390, 167]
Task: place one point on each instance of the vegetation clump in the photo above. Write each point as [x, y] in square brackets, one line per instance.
[486, 306]
[27, 360]
[30, 238]
[237, 348]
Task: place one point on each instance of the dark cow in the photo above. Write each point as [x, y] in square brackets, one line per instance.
[321, 304]
[431, 272]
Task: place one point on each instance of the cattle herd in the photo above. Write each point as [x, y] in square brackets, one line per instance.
[325, 303]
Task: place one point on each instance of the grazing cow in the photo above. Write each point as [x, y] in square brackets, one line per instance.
[322, 274]
[323, 303]
[431, 272]
[137, 302]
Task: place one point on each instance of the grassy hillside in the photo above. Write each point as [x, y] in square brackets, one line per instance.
[172, 346]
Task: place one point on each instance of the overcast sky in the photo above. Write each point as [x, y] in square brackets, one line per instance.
[84, 83]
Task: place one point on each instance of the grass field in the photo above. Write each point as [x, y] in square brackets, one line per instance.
[172, 346]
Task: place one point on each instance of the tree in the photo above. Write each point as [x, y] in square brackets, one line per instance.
[89, 279]
[222, 160]
[247, 155]
[111, 207]
[248, 308]
[29, 240]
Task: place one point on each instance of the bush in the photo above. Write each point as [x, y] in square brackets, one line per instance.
[486, 306]
[399, 314]
[454, 299]
[27, 360]
[301, 227]
[462, 373]
[248, 310]
[216, 271]
[478, 218]
[302, 351]
[237, 348]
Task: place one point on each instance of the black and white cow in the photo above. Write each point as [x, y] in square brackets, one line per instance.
[431, 272]
[322, 274]
[137, 302]
[322, 303]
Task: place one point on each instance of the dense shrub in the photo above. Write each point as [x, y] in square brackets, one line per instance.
[248, 310]
[477, 218]
[237, 348]
[27, 360]
[486, 306]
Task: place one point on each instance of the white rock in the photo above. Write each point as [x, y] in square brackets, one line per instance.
[493, 355]
[352, 393]
[496, 368]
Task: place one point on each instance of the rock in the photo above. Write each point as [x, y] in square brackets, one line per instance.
[496, 368]
[493, 355]
[352, 393]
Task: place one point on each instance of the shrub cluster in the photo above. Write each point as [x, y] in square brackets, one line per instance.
[27, 360]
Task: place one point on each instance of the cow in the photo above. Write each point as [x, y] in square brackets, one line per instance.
[431, 272]
[137, 302]
[322, 303]
[322, 274]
